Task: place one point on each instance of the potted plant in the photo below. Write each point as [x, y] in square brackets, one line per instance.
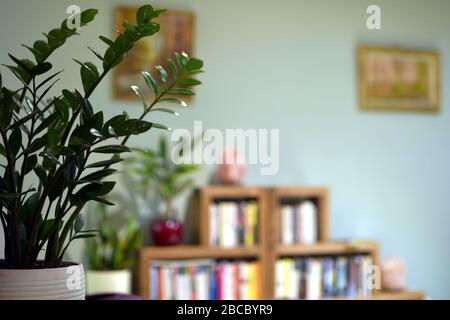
[111, 255]
[155, 170]
[47, 142]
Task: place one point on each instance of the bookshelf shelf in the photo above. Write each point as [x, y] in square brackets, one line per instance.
[195, 252]
[387, 295]
[269, 247]
[327, 248]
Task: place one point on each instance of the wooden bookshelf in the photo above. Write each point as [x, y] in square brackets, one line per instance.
[388, 295]
[149, 254]
[330, 248]
[268, 247]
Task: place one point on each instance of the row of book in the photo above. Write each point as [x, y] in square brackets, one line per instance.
[205, 280]
[233, 223]
[316, 278]
[299, 223]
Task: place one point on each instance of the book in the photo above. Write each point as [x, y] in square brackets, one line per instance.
[308, 218]
[298, 223]
[341, 276]
[287, 224]
[328, 276]
[213, 224]
[314, 280]
[233, 223]
[322, 277]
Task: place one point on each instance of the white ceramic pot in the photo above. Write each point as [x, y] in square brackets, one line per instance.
[110, 281]
[65, 283]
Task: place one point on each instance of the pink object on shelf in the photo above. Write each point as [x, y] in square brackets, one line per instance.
[393, 274]
[232, 169]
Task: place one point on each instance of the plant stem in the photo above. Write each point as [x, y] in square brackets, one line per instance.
[13, 219]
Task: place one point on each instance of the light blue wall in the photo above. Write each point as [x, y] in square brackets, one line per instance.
[291, 65]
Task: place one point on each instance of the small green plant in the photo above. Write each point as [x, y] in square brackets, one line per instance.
[116, 245]
[155, 170]
[48, 139]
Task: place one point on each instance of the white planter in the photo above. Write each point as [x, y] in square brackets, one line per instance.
[65, 283]
[111, 281]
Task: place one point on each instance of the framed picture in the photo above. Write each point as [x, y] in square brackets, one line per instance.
[398, 79]
[175, 35]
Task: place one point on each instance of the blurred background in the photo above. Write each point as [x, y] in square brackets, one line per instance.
[292, 65]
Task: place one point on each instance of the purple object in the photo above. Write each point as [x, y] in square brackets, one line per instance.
[113, 296]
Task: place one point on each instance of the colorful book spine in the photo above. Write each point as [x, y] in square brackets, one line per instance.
[233, 224]
[299, 223]
[322, 277]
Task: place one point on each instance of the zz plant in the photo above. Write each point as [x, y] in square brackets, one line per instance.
[48, 139]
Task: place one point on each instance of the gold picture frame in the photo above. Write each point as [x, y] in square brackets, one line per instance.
[398, 79]
[176, 35]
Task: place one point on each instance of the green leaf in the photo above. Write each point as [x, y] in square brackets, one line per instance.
[162, 144]
[93, 191]
[165, 110]
[151, 83]
[132, 127]
[98, 175]
[38, 144]
[15, 141]
[79, 223]
[46, 228]
[182, 58]
[48, 79]
[162, 73]
[26, 65]
[47, 122]
[56, 38]
[98, 55]
[41, 68]
[106, 202]
[188, 82]
[85, 235]
[175, 101]
[57, 188]
[194, 64]
[111, 149]
[161, 126]
[145, 14]
[31, 163]
[172, 67]
[59, 150]
[42, 50]
[140, 94]
[87, 16]
[42, 175]
[63, 109]
[6, 108]
[110, 57]
[89, 75]
[104, 163]
[181, 92]
[109, 42]
[72, 99]
[87, 115]
[49, 156]
[37, 55]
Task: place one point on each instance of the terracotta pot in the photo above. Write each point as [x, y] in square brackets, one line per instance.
[167, 232]
[108, 281]
[64, 283]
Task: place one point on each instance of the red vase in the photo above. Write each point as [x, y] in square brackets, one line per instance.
[167, 232]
